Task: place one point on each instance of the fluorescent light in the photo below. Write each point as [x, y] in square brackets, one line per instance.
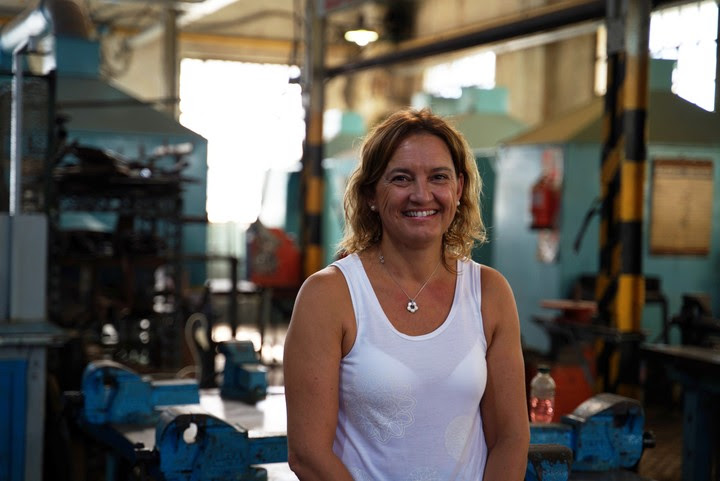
[361, 36]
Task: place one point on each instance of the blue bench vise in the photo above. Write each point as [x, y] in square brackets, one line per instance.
[114, 394]
[244, 378]
[548, 462]
[193, 445]
[605, 433]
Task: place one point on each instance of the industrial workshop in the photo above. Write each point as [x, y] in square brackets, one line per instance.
[174, 171]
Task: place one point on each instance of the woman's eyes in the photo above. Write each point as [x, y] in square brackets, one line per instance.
[401, 178]
[406, 178]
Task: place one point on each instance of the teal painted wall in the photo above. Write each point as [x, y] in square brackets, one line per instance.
[515, 244]
[685, 274]
[581, 187]
[486, 166]
[337, 171]
[679, 274]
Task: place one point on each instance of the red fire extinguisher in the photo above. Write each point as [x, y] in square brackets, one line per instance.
[545, 203]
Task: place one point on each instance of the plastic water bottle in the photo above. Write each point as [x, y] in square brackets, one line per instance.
[542, 396]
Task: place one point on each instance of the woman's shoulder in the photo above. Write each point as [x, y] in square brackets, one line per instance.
[490, 277]
[498, 298]
[327, 279]
[329, 284]
[494, 284]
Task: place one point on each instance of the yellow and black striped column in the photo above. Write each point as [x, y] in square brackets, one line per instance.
[312, 183]
[621, 285]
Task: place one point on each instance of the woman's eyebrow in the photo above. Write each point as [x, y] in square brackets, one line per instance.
[406, 170]
[399, 170]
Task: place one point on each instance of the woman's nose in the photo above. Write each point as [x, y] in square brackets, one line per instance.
[420, 191]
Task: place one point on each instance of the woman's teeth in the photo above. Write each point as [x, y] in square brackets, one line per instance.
[420, 213]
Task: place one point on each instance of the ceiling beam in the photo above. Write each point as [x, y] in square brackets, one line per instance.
[190, 14]
[539, 23]
[529, 22]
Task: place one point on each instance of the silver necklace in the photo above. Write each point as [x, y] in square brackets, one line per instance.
[412, 305]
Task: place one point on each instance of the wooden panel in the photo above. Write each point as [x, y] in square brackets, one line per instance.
[681, 211]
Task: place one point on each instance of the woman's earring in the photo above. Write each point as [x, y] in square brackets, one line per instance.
[372, 207]
[458, 203]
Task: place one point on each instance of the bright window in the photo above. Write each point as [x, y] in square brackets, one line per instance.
[253, 119]
[688, 34]
[448, 79]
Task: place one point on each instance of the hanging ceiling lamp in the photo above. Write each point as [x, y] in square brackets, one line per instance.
[361, 34]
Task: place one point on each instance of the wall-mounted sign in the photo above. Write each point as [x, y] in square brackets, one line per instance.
[681, 210]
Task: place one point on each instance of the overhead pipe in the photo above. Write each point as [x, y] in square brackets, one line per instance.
[16, 37]
[33, 23]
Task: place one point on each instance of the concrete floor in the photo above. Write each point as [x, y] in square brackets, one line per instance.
[664, 461]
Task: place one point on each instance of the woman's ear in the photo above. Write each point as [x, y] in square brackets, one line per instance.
[460, 185]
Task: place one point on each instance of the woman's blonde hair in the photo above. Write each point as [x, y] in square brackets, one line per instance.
[362, 226]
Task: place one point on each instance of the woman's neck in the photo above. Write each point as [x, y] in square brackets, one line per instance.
[414, 262]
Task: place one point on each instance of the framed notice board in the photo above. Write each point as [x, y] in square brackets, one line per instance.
[681, 209]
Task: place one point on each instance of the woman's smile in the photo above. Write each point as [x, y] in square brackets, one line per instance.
[420, 213]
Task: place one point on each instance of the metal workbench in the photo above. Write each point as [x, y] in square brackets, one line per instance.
[697, 369]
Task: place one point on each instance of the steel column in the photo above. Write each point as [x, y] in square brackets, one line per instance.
[170, 60]
[312, 175]
[621, 286]
[717, 62]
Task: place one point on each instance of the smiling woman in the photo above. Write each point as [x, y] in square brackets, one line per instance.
[382, 384]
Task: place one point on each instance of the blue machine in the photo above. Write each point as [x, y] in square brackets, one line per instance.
[604, 433]
[193, 446]
[244, 378]
[115, 394]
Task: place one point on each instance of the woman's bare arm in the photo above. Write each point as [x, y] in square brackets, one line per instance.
[504, 406]
[313, 349]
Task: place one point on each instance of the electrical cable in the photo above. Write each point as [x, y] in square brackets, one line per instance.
[594, 209]
[193, 341]
[297, 28]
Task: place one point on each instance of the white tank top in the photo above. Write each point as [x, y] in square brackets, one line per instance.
[410, 405]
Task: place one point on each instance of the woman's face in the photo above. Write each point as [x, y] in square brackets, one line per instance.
[417, 195]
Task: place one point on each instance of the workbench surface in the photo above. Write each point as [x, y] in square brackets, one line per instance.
[685, 356]
[266, 418]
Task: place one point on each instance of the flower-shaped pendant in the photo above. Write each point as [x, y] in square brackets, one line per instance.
[412, 306]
